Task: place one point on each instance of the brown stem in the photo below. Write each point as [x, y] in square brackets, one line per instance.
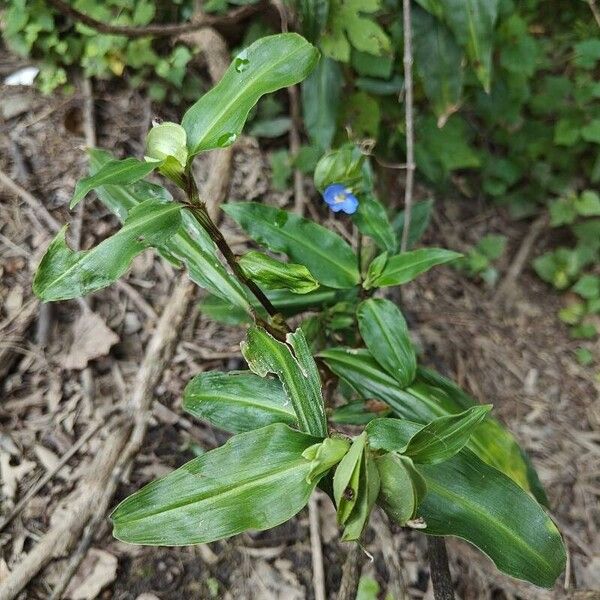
[156, 30]
[439, 569]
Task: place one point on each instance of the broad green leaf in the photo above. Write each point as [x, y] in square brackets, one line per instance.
[402, 486]
[420, 216]
[326, 255]
[439, 62]
[287, 303]
[372, 220]
[191, 245]
[321, 95]
[257, 480]
[404, 267]
[115, 172]
[472, 22]
[293, 363]
[429, 397]
[269, 64]
[368, 490]
[445, 436]
[277, 275]
[313, 18]
[384, 331]
[469, 499]
[237, 401]
[64, 273]
[346, 479]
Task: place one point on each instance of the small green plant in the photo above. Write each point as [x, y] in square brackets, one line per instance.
[479, 260]
[425, 451]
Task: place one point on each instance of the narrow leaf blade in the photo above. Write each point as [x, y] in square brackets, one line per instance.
[326, 255]
[115, 172]
[404, 267]
[384, 330]
[64, 274]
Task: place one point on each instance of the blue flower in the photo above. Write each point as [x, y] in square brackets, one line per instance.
[340, 198]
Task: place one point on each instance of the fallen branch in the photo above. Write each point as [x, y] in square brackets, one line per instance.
[67, 524]
[506, 288]
[159, 29]
[351, 573]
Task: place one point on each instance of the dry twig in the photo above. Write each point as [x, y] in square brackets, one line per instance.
[408, 113]
[351, 573]
[318, 574]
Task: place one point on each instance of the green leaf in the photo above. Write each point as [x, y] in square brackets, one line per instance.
[429, 397]
[347, 477]
[293, 363]
[237, 401]
[321, 96]
[402, 486]
[257, 480]
[445, 436]
[591, 131]
[420, 215]
[325, 455]
[588, 287]
[439, 63]
[274, 274]
[343, 165]
[372, 220]
[115, 172]
[383, 328]
[588, 204]
[327, 256]
[404, 267]
[64, 274]
[469, 499]
[472, 22]
[269, 64]
[313, 18]
[191, 245]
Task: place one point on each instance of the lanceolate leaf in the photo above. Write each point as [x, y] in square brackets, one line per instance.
[64, 274]
[257, 480]
[271, 63]
[468, 498]
[404, 267]
[372, 220]
[297, 372]
[326, 255]
[274, 274]
[237, 402]
[383, 328]
[423, 401]
[321, 95]
[191, 245]
[116, 172]
[419, 221]
[445, 436]
[472, 22]
[438, 60]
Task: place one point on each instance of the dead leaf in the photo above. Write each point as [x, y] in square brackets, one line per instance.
[92, 338]
[97, 570]
[48, 459]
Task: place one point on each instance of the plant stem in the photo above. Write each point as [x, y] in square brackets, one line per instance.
[439, 569]
[408, 112]
[198, 209]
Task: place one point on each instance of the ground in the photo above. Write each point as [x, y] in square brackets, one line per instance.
[57, 378]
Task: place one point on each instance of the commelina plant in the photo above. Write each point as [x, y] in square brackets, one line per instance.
[432, 456]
